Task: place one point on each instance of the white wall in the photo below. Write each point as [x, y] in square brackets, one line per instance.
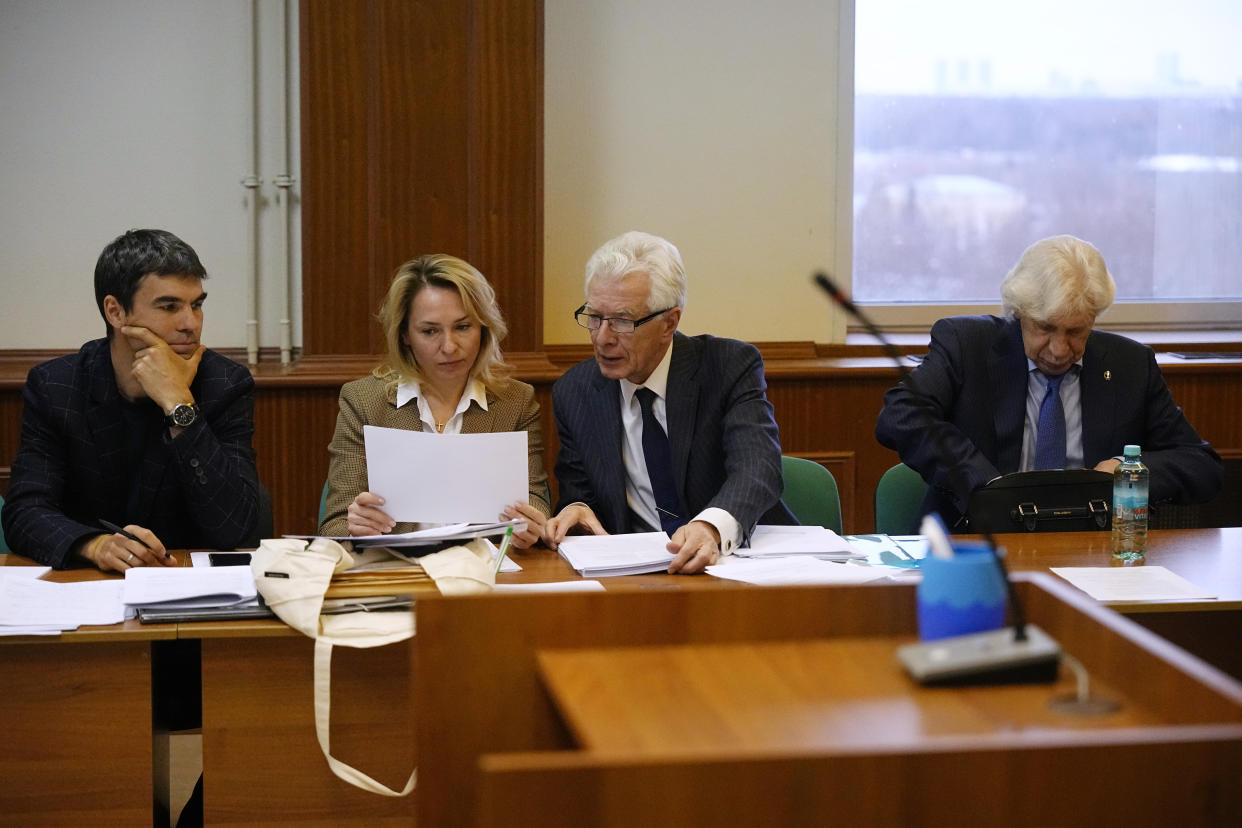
[132, 113]
[709, 122]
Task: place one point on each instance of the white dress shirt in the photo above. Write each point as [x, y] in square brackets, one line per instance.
[638, 493]
[411, 390]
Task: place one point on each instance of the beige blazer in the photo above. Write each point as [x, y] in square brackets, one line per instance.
[373, 401]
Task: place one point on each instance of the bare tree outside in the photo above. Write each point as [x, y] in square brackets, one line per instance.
[977, 157]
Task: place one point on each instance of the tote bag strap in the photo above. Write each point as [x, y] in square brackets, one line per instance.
[323, 707]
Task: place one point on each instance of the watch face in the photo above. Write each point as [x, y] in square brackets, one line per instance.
[183, 415]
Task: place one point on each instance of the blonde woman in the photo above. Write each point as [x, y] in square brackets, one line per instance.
[444, 374]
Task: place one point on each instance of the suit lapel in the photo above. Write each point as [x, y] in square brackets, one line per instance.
[1008, 375]
[1096, 396]
[103, 419]
[474, 420]
[681, 404]
[602, 413]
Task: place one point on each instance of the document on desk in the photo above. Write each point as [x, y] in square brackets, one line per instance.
[446, 477]
[599, 556]
[1131, 583]
[184, 587]
[428, 536]
[797, 570]
[550, 586]
[898, 551]
[43, 605]
[776, 541]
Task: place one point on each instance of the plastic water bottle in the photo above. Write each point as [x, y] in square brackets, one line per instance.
[1130, 507]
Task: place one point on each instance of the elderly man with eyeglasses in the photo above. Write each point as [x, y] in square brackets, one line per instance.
[661, 430]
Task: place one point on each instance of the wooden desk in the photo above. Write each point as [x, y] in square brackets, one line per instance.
[786, 706]
[1210, 558]
[261, 760]
[75, 714]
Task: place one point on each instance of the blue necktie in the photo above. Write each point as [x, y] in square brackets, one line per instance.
[659, 459]
[1050, 432]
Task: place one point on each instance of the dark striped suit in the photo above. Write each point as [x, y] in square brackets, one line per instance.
[200, 490]
[972, 389]
[725, 445]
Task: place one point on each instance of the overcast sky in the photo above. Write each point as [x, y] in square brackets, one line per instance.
[1004, 46]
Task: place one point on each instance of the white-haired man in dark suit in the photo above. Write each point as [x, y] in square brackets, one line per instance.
[721, 467]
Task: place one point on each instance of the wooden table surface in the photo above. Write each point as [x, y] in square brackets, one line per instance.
[837, 694]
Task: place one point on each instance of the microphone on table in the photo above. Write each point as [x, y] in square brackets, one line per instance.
[1029, 654]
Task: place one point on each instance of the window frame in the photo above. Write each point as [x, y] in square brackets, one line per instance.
[905, 317]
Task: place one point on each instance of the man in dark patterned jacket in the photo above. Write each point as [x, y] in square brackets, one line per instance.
[146, 429]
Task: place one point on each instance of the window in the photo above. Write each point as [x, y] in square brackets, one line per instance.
[980, 127]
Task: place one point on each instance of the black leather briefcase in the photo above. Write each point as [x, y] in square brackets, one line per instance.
[1059, 500]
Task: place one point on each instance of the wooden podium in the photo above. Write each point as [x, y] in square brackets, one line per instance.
[788, 707]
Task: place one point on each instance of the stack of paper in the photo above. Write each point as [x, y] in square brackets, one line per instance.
[598, 556]
[426, 537]
[779, 541]
[189, 586]
[29, 606]
[798, 569]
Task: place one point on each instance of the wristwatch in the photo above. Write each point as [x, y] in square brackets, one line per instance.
[182, 415]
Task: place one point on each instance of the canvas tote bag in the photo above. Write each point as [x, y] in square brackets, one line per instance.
[293, 576]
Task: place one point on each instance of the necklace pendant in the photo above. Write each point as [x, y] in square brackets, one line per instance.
[439, 428]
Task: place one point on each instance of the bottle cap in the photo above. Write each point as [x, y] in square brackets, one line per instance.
[1131, 451]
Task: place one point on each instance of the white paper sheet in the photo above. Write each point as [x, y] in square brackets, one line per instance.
[553, 586]
[794, 570]
[774, 541]
[441, 478]
[27, 602]
[1131, 583]
[28, 572]
[605, 555]
[184, 586]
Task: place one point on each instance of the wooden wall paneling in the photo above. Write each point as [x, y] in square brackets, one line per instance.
[10, 433]
[834, 416]
[422, 133]
[293, 426]
[336, 242]
[506, 161]
[1211, 397]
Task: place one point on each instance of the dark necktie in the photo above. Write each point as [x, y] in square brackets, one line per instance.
[659, 458]
[1050, 432]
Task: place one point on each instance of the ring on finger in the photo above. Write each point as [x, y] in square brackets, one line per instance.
[130, 558]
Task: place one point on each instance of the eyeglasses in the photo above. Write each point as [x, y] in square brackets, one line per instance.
[619, 324]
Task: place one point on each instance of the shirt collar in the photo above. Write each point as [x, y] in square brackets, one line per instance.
[475, 392]
[657, 382]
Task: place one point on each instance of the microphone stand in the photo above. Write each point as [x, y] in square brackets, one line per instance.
[1033, 664]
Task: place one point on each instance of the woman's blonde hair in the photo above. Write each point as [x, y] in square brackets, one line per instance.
[477, 297]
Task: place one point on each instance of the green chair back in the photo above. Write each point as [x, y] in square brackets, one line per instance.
[323, 505]
[4, 547]
[811, 493]
[899, 500]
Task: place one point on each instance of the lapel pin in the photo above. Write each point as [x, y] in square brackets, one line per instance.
[1108, 375]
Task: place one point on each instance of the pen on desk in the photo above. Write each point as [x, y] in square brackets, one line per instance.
[112, 527]
[504, 547]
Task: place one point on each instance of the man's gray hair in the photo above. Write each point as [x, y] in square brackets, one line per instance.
[638, 251]
[1055, 276]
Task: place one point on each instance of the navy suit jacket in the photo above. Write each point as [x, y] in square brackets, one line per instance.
[724, 439]
[970, 392]
[200, 490]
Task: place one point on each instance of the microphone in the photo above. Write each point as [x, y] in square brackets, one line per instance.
[979, 655]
